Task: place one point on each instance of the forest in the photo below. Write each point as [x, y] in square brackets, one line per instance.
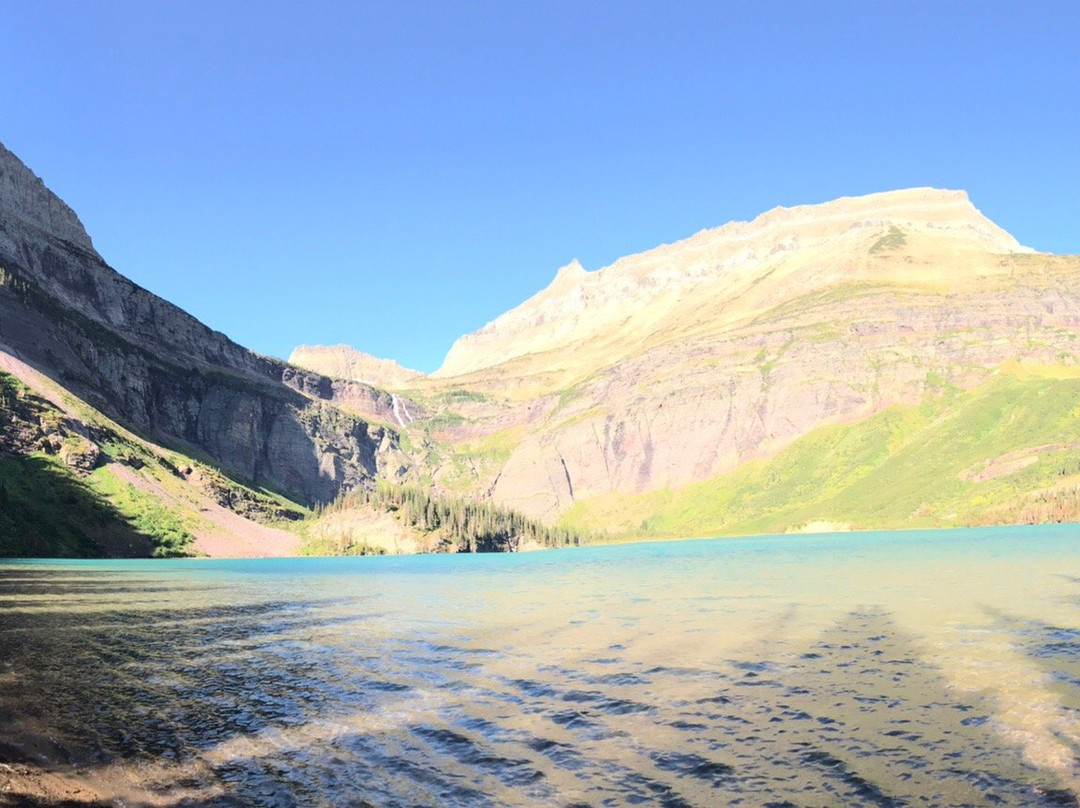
[459, 524]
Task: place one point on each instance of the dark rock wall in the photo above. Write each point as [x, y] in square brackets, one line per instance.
[150, 365]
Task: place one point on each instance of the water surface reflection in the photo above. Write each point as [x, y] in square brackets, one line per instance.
[924, 669]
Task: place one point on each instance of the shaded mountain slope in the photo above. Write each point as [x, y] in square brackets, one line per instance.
[75, 483]
[156, 369]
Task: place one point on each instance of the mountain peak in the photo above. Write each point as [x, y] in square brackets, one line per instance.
[936, 209]
[571, 270]
[796, 248]
[345, 362]
[568, 276]
[24, 196]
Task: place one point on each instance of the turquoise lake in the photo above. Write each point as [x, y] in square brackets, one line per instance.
[936, 668]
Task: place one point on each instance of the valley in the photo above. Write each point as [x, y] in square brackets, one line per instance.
[889, 361]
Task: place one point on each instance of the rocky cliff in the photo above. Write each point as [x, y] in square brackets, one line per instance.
[148, 364]
[23, 196]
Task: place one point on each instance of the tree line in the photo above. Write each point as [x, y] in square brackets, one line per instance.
[460, 524]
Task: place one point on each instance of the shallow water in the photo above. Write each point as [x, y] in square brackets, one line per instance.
[921, 668]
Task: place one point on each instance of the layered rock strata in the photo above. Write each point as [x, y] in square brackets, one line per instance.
[147, 363]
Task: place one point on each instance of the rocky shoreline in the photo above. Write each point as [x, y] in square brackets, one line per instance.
[27, 784]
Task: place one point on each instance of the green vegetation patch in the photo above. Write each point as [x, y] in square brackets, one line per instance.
[457, 395]
[458, 525]
[50, 506]
[18, 402]
[906, 467]
[893, 240]
[468, 461]
[445, 420]
[825, 298]
[48, 512]
[339, 546]
[146, 513]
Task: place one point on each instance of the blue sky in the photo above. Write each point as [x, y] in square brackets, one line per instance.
[395, 174]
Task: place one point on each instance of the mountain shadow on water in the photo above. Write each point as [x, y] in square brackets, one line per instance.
[896, 729]
[854, 715]
[124, 685]
[1055, 650]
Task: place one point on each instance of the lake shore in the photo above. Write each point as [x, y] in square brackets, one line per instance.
[24, 782]
[30, 778]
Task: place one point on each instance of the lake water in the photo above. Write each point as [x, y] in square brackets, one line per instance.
[880, 669]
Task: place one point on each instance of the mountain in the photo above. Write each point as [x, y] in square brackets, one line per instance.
[95, 356]
[737, 272]
[892, 360]
[345, 362]
[139, 359]
[605, 395]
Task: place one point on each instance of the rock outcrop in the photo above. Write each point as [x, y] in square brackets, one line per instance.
[24, 196]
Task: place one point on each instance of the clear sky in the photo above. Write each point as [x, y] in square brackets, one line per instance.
[395, 174]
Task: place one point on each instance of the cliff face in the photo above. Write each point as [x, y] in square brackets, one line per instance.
[23, 196]
[144, 362]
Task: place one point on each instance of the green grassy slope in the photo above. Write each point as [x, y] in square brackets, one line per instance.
[80, 485]
[47, 511]
[988, 455]
[52, 507]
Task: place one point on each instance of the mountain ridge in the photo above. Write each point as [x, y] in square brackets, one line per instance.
[345, 362]
[627, 391]
[726, 253]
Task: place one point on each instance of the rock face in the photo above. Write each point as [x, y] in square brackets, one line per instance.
[684, 362]
[144, 362]
[345, 362]
[687, 412]
[23, 195]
